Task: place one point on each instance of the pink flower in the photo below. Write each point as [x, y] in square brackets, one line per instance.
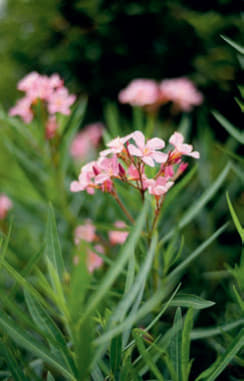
[94, 132]
[159, 187]
[86, 139]
[177, 140]
[51, 127]
[26, 83]
[5, 206]
[116, 236]
[133, 173]
[169, 171]
[94, 261]
[140, 92]
[22, 109]
[116, 145]
[109, 168]
[147, 151]
[182, 92]
[86, 232]
[55, 81]
[86, 177]
[60, 101]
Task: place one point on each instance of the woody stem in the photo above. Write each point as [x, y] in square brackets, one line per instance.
[116, 197]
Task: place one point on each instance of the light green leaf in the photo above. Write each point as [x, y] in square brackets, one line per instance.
[185, 345]
[118, 265]
[237, 223]
[196, 252]
[202, 333]
[232, 43]
[233, 131]
[224, 360]
[30, 344]
[191, 301]
[175, 346]
[196, 207]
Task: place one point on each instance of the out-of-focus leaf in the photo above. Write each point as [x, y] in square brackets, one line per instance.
[224, 360]
[233, 131]
[234, 45]
[185, 345]
[237, 223]
[191, 301]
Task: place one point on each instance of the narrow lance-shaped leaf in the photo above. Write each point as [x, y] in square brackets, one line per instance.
[185, 345]
[224, 360]
[237, 223]
[175, 346]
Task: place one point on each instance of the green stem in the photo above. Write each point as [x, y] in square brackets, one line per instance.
[116, 197]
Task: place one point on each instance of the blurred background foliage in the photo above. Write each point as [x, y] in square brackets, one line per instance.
[98, 46]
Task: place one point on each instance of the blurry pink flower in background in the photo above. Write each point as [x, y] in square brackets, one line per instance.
[182, 92]
[116, 236]
[27, 83]
[22, 109]
[177, 140]
[5, 206]
[48, 89]
[60, 101]
[94, 261]
[84, 140]
[147, 151]
[140, 92]
[86, 232]
[51, 127]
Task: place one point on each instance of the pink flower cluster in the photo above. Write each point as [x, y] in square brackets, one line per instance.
[88, 138]
[148, 93]
[87, 233]
[50, 90]
[127, 159]
[5, 206]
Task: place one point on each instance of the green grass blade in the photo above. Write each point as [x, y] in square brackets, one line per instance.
[233, 131]
[237, 223]
[224, 360]
[196, 252]
[118, 265]
[203, 333]
[175, 346]
[12, 363]
[30, 344]
[232, 43]
[185, 344]
[137, 334]
[200, 203]
[191, 301]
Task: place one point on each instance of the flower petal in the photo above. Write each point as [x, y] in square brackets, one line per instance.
[155, 143]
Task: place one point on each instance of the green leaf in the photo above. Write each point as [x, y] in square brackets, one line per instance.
[191, 301]
[48, 327]
[233, 131]
[50, 377]
[196, 207]
[12, 363]
[224, 360]
[175, 346]
[185, 345]
[202, 333]
[118, 265]
[112, 119]
[115, 354]
[70, 129]
[196, 252]
[237, 223]
[137, 334]
[52, 248]
[232, 43]
[30, 344]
